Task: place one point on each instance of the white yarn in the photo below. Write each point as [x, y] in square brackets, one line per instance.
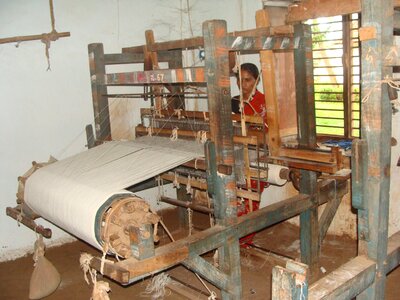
[157, 286]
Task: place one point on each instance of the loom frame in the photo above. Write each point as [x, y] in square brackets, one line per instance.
[229, 229]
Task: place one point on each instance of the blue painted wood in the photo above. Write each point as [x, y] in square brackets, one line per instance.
[345, 282]
[309, 231]
[376, 130]
[216, 69]
[290, 282]
[207, 271]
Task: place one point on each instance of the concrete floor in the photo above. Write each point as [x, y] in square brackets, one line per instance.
[256, 270]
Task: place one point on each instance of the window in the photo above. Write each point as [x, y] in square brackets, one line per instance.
[336, 59]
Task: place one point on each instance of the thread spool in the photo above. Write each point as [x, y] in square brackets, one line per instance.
[275, 174]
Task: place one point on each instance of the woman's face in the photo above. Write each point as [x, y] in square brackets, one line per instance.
[248, 83]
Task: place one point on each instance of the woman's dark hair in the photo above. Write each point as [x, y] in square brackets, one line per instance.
[251, 68]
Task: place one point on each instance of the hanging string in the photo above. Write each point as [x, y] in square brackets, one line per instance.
[175, 183]
[212, 293]
[206, 119]
[190, 220]
[174, 134]
[149, 131]
[160, 190]
[389, 81]
[189, 189]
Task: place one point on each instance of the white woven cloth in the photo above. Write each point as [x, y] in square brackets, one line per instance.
[70, 192]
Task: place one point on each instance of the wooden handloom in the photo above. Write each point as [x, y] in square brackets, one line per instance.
[218, 167]
[219, 164]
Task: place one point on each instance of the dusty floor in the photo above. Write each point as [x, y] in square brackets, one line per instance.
[256, 270]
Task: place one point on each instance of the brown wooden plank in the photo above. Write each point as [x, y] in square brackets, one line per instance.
[164, 258]
[311, 155]
[192, 75]
[312, 9]
[301, 164]
[123, 58]
[268, 80]
[44, 36]
[111, 270]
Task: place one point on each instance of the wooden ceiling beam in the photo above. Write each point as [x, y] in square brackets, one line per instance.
[312, 9]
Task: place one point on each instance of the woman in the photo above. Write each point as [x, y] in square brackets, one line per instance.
[253, 100]
[253, 105]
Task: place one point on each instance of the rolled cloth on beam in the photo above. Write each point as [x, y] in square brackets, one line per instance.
[72, 192]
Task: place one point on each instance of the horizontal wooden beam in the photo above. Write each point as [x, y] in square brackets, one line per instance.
[393, 252]
[141, 130]
[312, 9]
[187, 204]
[200, 115]
[273, 214]
[204, 241]
[311, 155]
[196, 42]
[123, 58]
[52, 36]
[301, 164]
[16, 214]
[241, 193]
[346, 282]
[187, 75]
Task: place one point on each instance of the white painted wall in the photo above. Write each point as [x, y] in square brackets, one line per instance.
[44, 113]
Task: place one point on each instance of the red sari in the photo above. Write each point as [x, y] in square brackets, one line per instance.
[255, 107]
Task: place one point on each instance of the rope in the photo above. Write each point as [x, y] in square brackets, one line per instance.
[205, 116]
[174, 134]
[377, 85]
[203, 138]
[178, 113]
[84, 262]
[175, 183]
[212, 293]
[160, 190]
[149, 131]
[189, 189]
[190, 220]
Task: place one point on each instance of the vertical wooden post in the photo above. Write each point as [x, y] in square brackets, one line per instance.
[309, 239]
[221, 134]
[219, 106]
[268, 80]
[99, 90]
[175, 62]
[151, 63]
[290, 282]
[376, 130]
